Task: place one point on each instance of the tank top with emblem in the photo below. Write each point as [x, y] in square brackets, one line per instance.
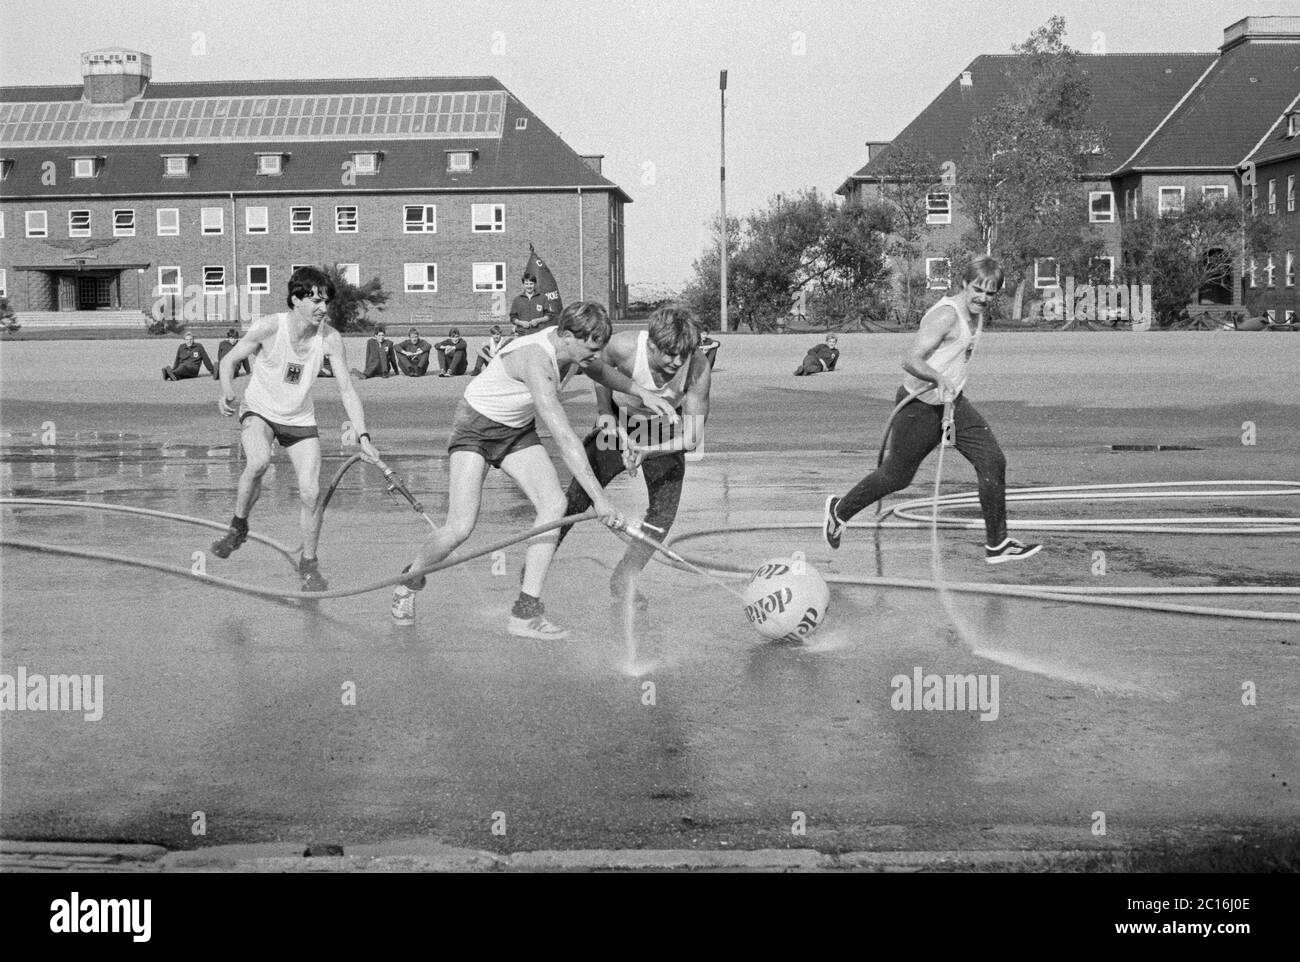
[280, 390]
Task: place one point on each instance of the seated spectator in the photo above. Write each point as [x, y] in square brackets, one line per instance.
[710, 348]
[820, 358]
[452, 355]
[190, 358]
[379, 357]
[412, 355]
[228, 342]
[490, 350]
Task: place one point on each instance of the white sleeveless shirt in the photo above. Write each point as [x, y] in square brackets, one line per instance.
[280, 389]
[497, 395]
[952, 357]
[673, 390]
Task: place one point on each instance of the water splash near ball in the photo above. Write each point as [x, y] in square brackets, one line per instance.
[786, 599]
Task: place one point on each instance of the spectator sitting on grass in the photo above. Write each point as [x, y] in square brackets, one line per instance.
[379, 357]
[412, 355]
[452, 355]
[490, 350]
[190, 358]
[227, 344]
[819, 358]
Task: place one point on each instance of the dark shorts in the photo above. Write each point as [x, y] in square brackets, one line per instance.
[471, 431]
[287, 435]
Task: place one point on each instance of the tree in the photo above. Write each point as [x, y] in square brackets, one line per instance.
[703, 294]
[908, 176]
[1183, 252]
[1020, 179]
[352, 304]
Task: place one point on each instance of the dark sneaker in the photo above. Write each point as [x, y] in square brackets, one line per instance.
[309, 572]
[832, 526]
[1010, 550]
[232, 540]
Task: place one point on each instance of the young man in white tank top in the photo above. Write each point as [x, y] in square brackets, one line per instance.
[936, 374]
[665, 359]
[494, 426]
[287, 351]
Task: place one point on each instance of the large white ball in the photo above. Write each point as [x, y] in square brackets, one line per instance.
[786, 599]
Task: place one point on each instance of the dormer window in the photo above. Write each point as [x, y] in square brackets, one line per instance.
[270, 165]
[365, 163]
[460, 161]
[1293, 123]
[521, 123]
[6, 165]
[85, 167]
[176, 165]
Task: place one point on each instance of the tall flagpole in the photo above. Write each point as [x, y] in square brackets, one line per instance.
[722, 87]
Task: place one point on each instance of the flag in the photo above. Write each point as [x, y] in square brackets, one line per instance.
[545, 280]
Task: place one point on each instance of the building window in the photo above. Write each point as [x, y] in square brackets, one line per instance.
[366, 163]
[1290, 268]
[169, 221]
[36, 224]
[4, 283]
[1171, 200]
[521, 123]
[259, 279]
[300, 220]
[1270, 316]
[83, 167]
[1272, 196]
[1290, 192]
[270, 165]
[1269, 268]
[256, 220]
[214, 279]
[212, 220]
[2, 224]
[78, 223]
[1047, 273]
[351, 273]
[1254, 196]
[1103, 268]
[421, 278]
[6, 165]
[421, 219]
[938, 208]
[1101, 206]
[1215, 192]
[489, 277]
[123, 223]
[169, 281]
[345, 220]
[1290, 317]
[1250, 272]
[936, 273]
[459, 161]
[176, 165]
[488, 218]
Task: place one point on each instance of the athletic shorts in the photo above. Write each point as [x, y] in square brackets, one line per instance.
[471, 431]
[287, 435]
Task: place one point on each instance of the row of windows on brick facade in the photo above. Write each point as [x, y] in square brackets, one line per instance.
[416, 219]
[1101, 203]
[268, 163]
[1047, 272]
[486, 277]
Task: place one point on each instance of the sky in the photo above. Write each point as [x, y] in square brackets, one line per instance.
[809, 81]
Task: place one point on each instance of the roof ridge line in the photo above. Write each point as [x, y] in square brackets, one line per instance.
[1173, 110]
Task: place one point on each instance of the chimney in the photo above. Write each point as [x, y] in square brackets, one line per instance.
[967, 82]
[593, 161]
[1261, 30]
[874, 147]
[114, 75]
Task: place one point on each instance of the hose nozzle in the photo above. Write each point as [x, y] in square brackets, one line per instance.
[396, 487]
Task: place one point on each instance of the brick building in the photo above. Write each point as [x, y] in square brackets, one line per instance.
[123, 195]
[1176, 124]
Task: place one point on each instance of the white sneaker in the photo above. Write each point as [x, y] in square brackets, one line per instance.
[537, 627]
[403, 606]
[1010, 550]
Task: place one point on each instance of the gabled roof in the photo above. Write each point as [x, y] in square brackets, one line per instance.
[1131, 93]
[1222, 118]
[533, 158]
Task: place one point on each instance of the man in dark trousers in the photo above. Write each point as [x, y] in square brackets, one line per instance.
[412, 355]
[224, 348]
[820, 358]
[453, 355]
[531, 311]
[190, 359]
[379, 357]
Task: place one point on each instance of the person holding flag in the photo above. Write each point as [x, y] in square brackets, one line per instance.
[539, 305]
